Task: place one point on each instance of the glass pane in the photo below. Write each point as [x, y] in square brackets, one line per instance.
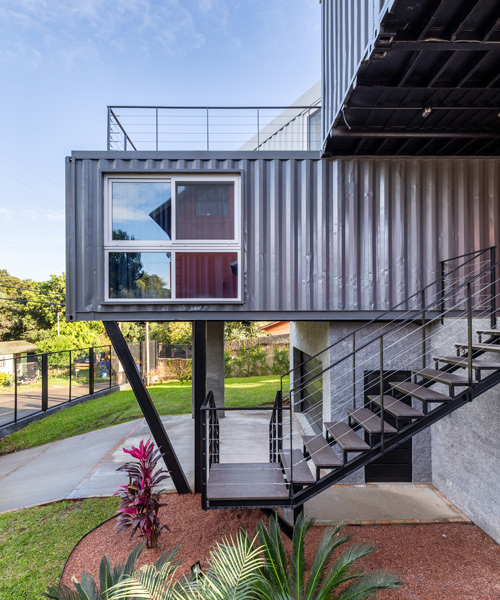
[206, 275]
[205, 211]
[139, 275]
[142, 210]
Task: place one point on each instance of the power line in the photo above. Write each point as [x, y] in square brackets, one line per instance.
[32, 168]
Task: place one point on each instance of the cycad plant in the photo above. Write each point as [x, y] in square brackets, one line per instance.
[234, 574]
[109, 576]
[286, 579]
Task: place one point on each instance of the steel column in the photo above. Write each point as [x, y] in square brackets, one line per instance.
[91, 370]
[45, 382]
[148, 409]
[199, 394]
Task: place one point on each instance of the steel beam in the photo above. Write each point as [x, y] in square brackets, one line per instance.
[199, 394]
[148, 408]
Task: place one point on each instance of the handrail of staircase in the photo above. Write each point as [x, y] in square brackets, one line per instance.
[468, 311]
[415, 313]
[276, 428]
[209, 447]
[476, 254]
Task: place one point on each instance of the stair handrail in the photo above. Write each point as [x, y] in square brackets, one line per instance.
[475, 254]
[276, 428]
[415, 313]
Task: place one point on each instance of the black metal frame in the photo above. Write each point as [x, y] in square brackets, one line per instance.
[147, 407]
[199, 392]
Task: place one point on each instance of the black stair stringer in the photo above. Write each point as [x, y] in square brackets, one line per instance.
[392, 442]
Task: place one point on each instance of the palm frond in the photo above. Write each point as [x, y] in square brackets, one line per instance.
[147, 583]
[329, 542]
[342, 570]
[234, 572]
[86, 588]
[62, 592]
[298, 561]
[365, 586]
[276, 567]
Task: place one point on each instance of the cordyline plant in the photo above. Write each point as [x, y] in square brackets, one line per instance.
[140, 504]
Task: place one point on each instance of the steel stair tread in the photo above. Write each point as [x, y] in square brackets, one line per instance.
[300, 472]
[320, 452]
[369, 421]
[441, 376]
[396, 408]
[346, 437]
[418, 391]
[490, 332]
[246, 481]
[481, 347]
[464, 362]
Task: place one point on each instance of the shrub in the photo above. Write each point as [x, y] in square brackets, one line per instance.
[250, 361]
[281, 362]
[4, 379]
[140, 504]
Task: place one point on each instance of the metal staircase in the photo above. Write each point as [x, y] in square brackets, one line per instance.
[458, 311]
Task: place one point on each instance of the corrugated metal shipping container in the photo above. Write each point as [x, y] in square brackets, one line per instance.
[349, 30]
[319, 236]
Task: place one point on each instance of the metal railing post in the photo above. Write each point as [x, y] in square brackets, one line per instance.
[204, 475]
[124, 141]
[354, 370]
[381, 391]
[15, 389]
[110, 368]
[156, 129]
[70, 376]
[280, 423]
[109, 129]
[208, 133]
[309, 128]
[258, 129]
[441, 290]
[469, 336]
[91, 370]
[493, 307]
[45, 382]
[424, 333]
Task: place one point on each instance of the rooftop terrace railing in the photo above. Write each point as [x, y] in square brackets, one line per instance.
[174, 128]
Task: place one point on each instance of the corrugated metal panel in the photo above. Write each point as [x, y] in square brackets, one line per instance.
[349, 30]
[318, 235]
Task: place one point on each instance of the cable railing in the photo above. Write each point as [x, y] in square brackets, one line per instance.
[34, 383]
[463, 299]
[175, 128]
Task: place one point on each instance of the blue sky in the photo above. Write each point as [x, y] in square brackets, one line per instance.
[63, 61]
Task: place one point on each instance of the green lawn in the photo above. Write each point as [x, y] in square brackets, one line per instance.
[36, 541]
[172, 398]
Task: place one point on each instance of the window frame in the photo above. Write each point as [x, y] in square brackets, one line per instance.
[172, 245]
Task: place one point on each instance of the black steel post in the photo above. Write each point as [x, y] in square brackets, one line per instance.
[91, 370]
[204, 459]
[493, 307]
[199, 393]
[148, 408]
[381, 389]
[70, 376]
[424, 332]
[45, 382]
[15, 389]
[441, 290]
[354, 370]
[469, 336]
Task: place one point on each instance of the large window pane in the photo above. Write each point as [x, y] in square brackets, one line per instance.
[139, 275]
[205, 211]
[142, 210]
[206, 275]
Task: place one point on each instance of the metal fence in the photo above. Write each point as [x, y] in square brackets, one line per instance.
[37, 382]
[175, 351]
[173, 128]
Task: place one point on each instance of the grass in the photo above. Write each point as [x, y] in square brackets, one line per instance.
[171, 398]
[36, 542]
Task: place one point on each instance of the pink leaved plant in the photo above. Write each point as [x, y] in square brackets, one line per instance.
[140, 503]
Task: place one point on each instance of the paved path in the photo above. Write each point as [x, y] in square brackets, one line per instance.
[85, 465]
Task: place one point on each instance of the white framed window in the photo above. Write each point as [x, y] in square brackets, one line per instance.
[172, 238]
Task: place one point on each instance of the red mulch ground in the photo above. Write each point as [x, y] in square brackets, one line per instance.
[452, 561]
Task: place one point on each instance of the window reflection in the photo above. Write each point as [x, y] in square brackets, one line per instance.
[139, 275]
[142, 210]
[205, 211]
[206, 275]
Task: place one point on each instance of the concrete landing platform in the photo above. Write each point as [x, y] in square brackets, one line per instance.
[382, 504]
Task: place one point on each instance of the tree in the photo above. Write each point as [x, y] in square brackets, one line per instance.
[240, 330]
[171, 332]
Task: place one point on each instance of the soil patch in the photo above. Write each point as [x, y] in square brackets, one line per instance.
[450, 561]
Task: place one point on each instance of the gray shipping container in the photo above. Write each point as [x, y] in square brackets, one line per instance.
[349, 31]
[322, 239]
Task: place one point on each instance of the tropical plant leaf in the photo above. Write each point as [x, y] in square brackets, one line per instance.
[61, 592]
[298, 561]
[365, 586]
[146, 582]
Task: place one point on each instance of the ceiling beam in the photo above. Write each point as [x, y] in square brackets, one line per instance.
[414, 134]
[439, 46]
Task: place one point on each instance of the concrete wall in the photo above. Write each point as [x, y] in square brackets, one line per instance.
[466, 452]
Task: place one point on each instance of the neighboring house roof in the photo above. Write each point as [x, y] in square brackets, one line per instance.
[277, 327]
[16, 347]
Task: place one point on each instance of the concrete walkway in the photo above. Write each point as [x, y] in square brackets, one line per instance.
[85, 466]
